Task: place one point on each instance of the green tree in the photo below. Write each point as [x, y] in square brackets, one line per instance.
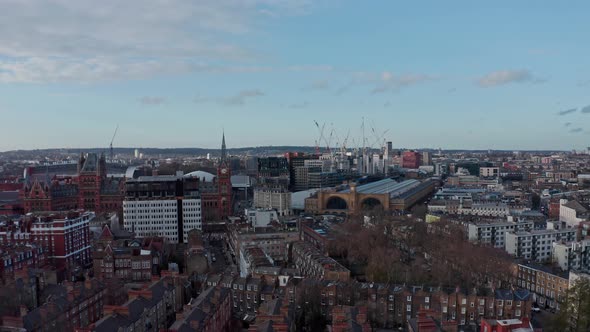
[574, 312]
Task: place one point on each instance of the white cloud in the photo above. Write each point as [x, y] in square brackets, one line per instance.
[385, 81]
[318, 85]
[241, 97]
[315, 68]
[233, 100]
[63, 40]
[390, 82]
[503, 77]
[152, 101]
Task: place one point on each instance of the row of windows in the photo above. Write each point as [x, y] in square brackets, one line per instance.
[129, 211]
[152, 216]
[172, 203]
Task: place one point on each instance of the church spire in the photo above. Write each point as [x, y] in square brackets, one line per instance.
[223, 149]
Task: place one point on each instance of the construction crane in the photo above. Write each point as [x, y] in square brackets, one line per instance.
[319, 141]
[111, 145]
[329, 141]
[379, 138]
[343, 145]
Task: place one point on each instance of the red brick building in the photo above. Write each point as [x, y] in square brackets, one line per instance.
[63, 236]
[395, 305]
[349, 318]
[90, 190]
[111, 260]
[411, 159]
[70, 306]
[216, 195]
[16, 258]
[209, 312]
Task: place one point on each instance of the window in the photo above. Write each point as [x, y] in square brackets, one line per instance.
[409, 298]
[427, 299]
[409, 308]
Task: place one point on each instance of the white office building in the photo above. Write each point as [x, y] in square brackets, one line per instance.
[161, 218]
[164, 206]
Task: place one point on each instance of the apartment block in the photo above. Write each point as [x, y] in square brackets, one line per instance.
[572, 255]
[537, 245]
[494, 233]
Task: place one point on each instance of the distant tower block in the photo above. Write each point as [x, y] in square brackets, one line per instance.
[389, 150]
[136, 153]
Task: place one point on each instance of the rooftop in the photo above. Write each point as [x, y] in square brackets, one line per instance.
[385, 186]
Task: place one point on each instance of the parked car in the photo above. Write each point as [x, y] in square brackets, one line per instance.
[536, 309]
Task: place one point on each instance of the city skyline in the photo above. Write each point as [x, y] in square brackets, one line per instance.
[175, 74]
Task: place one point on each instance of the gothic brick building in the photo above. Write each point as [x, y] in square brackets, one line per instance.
[216, 195]
[91, 189]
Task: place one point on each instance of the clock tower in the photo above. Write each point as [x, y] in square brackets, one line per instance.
[224, 186]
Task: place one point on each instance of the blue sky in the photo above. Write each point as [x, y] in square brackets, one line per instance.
[175, 73]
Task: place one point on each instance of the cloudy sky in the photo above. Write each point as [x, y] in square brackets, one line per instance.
[173, 73]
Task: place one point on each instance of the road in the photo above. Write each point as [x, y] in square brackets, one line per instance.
[220, 259]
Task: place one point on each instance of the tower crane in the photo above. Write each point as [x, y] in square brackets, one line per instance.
[379, 138]
[111, 145]
[343, 145]
[321, 131]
